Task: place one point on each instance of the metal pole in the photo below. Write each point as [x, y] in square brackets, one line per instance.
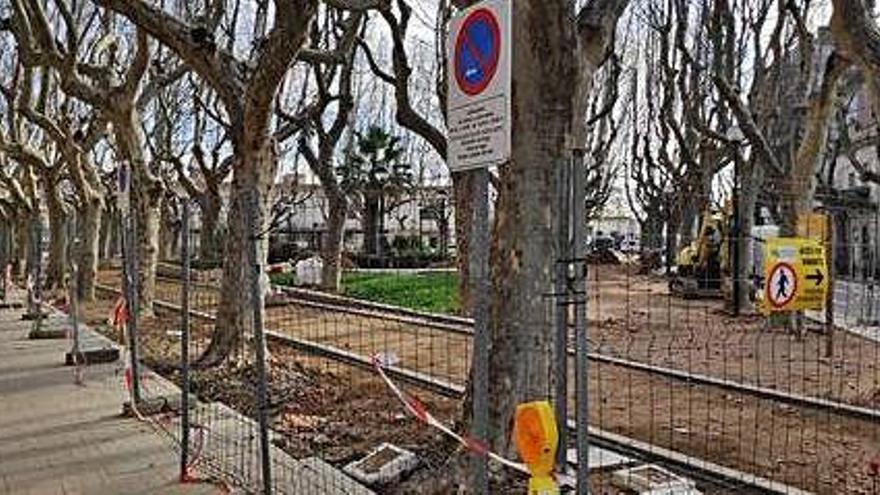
[4, 244]
[252, 233]
[38, 269]
[184, 343]
[560, 354]
[479, 269]
[737, 239]
[72, 246]
[579, 276]
[832, 275]
[129, 280]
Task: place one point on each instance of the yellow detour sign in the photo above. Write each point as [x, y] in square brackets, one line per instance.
[536, 437]
[795, 274]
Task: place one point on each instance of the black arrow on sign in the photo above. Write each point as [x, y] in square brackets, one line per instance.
[817, 277]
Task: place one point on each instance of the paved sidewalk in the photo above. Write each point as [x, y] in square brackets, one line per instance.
[57, 437]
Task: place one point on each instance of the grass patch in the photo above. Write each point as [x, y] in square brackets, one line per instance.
[431, 292]
[284, 279]
[435, 292]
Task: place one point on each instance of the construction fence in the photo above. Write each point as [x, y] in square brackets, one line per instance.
[675, 380]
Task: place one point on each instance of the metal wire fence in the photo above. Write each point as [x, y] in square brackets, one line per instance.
[737, 403]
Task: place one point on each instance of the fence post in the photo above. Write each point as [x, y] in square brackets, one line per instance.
[832, 275]
[252, 233]
[73, 290]
[560, 296]
[38, 274]
[129, 277]
[184, 342]
[579, 276]
[4, 257]
[480, 287]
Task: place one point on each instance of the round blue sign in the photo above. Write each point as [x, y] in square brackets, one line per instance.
[477, 50]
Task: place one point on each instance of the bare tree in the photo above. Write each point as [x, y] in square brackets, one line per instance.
[87, 65]
[311, 123]
[247, 88]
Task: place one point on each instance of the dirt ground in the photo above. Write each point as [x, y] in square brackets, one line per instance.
[634, 317]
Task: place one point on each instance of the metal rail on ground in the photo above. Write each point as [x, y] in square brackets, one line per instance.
[445, 323]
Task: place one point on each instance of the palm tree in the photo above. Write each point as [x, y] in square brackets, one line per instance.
[374, 172]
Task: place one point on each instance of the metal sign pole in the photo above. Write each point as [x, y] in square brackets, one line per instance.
[479, 269]
[252, 231]
[184, 342]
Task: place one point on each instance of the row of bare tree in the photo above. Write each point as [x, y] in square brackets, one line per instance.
[670, 97]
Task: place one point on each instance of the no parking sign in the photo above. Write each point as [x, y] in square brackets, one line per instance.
[479, 52]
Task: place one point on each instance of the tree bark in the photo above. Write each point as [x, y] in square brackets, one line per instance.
[371, 222]
[88, 228]
[254, 172]
[146, 203]
[523, 254]
[169, 233]
[209, 246]
[57, 237]
[23, 234]
[799, 188]
[463, 187]
[331, 247]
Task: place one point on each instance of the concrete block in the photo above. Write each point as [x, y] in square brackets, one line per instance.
[93, 356]
[651, 479]
[385, 464]
[47, 333]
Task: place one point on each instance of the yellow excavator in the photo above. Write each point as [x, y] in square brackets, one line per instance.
[703, 266]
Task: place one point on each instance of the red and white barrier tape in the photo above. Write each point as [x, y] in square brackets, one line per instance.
[7, 279]
[417, 409]
[119, 320]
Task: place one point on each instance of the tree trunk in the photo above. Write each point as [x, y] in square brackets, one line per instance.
[147, 205]
[443, 232]
[254, 172]
[748, 201]
[686, 226]
[797, 197]
[145, 200]
[23, 234]
[89, 226]
[463, 187]
[331, 247]
[524, 252]
[371, 223]
[168, 235]
[57, 237]
[209, 249]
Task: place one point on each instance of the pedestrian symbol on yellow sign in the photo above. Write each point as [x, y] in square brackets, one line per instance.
[782, 285]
